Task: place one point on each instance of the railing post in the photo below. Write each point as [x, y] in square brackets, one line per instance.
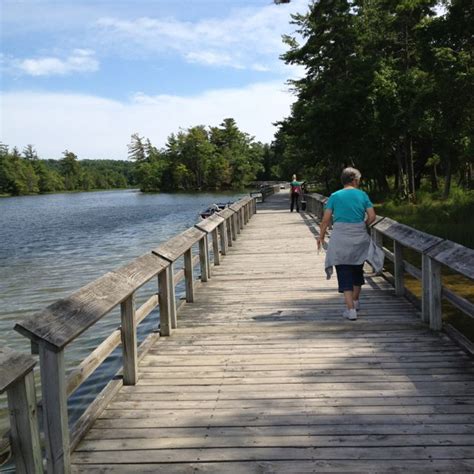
[233, 226]
[434, 271]
[55, 416]
[237, 225]
[164, 296]
[188, 275]
[215, 247]
[223, 237]
[398, 268]
[129, 341]
[425, 288]
[204, 258]
[229, 226]
[241, 217]
[174, 318]
[377, 237]
[17, 379]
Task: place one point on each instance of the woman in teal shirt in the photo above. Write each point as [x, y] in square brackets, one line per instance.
[349, 243]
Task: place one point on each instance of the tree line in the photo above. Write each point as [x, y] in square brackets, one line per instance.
[199, 158]
[388, 87]
[25, 173]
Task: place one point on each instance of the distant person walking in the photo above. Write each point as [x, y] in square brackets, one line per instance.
[295, 193]
[349, 244]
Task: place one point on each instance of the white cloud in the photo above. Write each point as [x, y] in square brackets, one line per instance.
[80, 60]
[93, 127]
[247, 36]
[210, 58]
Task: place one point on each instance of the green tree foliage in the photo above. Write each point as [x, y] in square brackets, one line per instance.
[199, 158]
[71, 170]
[388, 86]
[27, 174]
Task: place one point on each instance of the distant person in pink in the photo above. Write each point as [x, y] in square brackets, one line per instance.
[295, 193]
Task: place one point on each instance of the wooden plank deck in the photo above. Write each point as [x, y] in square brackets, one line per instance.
[264, 375]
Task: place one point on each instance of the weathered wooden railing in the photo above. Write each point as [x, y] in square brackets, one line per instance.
[265, 191]
[16, 378]
[434, 251]
[52, 330]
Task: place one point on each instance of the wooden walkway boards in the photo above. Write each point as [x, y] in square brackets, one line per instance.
[264, 375]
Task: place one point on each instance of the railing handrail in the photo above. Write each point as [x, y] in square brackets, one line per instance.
[435, 251]
[54, 328]
[66, 319]
[455, 256]
[173, 248]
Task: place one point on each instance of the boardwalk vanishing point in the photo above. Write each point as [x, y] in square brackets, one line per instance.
[263, 375]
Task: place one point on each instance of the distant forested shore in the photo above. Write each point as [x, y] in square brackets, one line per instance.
[24, 173]
[197, 159]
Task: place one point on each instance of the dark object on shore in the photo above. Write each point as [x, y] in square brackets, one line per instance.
[216, 207]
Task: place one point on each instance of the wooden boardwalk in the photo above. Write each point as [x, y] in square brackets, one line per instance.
[263, 375]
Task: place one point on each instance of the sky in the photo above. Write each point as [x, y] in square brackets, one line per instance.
[85, 75]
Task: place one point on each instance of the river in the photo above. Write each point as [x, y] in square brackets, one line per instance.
[51, 245]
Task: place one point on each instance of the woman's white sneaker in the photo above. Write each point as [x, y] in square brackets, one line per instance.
[356, 305]
[350, 314]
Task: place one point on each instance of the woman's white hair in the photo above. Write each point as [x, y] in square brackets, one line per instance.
[349, 174]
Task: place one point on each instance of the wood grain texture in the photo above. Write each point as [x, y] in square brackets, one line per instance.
[55, 415]
[64, 320]
[264, 375]
[454, 256]
[209, 224]
[129, 341]
[407, 236]
[226, 213]
[13, 366]
[26, 446]
[173, 248]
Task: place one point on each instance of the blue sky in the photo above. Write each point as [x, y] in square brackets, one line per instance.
[84, 75]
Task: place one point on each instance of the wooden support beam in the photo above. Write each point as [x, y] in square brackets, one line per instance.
[188, 275]
[55, 416]
[215, 247]
[204, 258]
[223, 237]
[398, 268]
[425, 288]
[25, 437]
[129, 341]
[173, 315]
[230, 231]
[16, 378]
[436, 322]
[164, 296]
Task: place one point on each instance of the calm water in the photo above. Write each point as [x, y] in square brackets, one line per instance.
[52, 245]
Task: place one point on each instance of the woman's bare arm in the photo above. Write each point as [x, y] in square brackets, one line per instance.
[324, 225]
[370, 216]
